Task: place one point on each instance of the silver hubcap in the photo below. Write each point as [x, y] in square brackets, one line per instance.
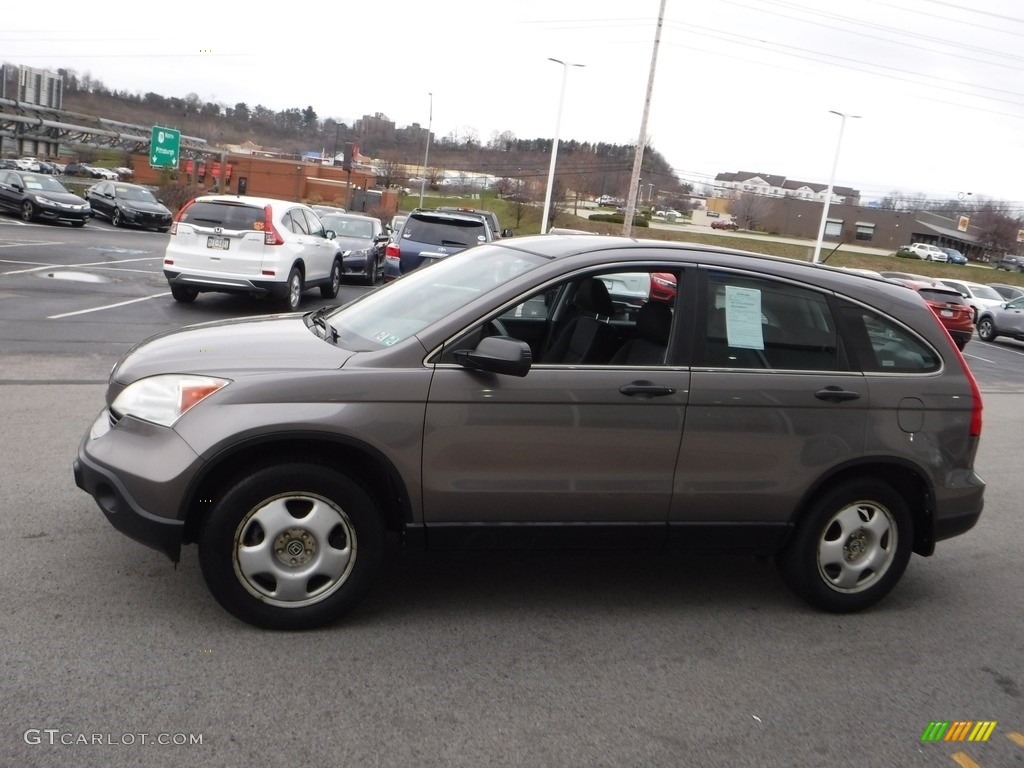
[857, 547]
[294, 550]
[294, 292]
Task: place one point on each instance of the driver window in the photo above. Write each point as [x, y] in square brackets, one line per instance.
[599, 319]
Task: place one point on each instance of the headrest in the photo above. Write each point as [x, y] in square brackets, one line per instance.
[654, 322]
[592, 296]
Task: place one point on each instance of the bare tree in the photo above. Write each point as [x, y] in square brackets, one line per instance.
[750, 208]
[388, 172]
[998, 226]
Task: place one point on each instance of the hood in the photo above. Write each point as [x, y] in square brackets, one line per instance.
[230, 347]
[146, 207]
[58, 197]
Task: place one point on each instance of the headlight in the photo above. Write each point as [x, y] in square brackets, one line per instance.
[163, 399]
[43, 200]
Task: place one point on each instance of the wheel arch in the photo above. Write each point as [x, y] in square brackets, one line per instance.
[362, 463]
[909, 481]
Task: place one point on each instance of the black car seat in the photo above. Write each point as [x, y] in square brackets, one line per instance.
[648, 347]
[586, 339]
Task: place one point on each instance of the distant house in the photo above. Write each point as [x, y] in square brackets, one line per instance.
[733, 184]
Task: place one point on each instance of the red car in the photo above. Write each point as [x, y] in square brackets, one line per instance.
[663, 286]
[949, 306]
[720, 224]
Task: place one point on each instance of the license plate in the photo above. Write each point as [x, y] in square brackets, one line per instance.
[946, 312]
[220, 243]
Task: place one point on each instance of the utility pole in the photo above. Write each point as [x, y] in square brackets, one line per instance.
[627, 225]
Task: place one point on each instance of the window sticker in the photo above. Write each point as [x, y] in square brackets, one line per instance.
[743, 317]
[386, 339]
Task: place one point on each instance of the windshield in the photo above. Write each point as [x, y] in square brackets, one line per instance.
[44, 183]
[984, 292]
[135, 193]
[422, 297]
[349, 226]
[432, 230]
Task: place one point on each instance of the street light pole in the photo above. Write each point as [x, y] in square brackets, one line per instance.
[831, 183]
[554, 144]
[426, 153]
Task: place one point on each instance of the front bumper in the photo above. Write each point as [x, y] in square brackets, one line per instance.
[138, 473]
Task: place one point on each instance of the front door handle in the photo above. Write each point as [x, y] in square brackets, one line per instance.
[646, 389]
[836, 394]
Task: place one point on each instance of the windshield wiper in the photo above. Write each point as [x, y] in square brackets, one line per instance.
[317, 319]
[452, 242]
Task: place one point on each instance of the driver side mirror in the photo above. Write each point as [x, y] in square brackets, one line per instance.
[497, 354]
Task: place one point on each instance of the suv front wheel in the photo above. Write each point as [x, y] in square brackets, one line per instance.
[291, 546]
[850, 548]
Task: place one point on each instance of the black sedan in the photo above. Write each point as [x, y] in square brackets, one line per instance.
[362, 240]
[37, 196]
[128, 205]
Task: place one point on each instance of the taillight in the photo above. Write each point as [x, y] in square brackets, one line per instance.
[180, 215]
[392, 251]
[976, 405]
[270, 234]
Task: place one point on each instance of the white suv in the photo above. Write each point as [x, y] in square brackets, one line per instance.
[253, 245]
[927, 252]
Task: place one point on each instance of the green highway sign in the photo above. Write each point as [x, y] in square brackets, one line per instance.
[163, 147]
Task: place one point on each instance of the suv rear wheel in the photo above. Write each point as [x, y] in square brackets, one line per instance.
[851, 547]
[330, 290]
[293, 290]
[291, 546]
[184, 294]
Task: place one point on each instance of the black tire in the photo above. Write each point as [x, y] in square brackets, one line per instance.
[330, 290]
[987, 329]
[293, 290]
[850, 548]
[117, 218]
[28, 211]
[184, 293]
[78, 224]
[163, 229]
[291, 546]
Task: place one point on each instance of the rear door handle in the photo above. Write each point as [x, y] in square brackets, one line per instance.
[836, 394]
[646, 389]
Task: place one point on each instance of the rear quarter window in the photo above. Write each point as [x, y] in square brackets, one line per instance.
[881, 345]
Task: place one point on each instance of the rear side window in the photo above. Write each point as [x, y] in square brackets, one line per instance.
[228, 216]
[759, 323]
[296, 222]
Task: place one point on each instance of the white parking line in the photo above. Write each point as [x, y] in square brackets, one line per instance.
[108, 306]
[77, 266]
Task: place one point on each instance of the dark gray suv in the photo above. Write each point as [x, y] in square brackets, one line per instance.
[428, 236]
[507, 397]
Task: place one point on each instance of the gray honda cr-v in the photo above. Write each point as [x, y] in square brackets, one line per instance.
[507, 397]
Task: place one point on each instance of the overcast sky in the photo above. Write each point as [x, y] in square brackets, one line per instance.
[739, 85]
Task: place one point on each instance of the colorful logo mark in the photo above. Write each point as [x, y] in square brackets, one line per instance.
[958, 730]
